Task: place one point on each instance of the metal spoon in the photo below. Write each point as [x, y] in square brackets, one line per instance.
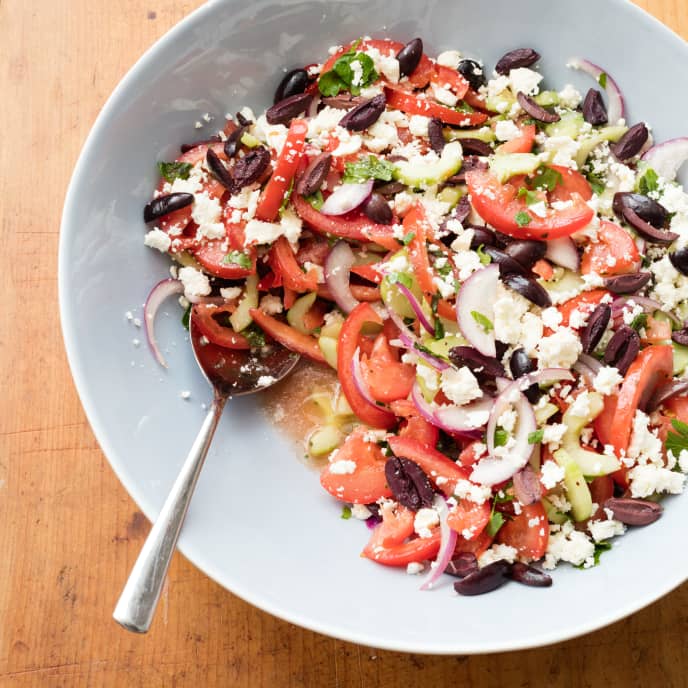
[231, 372]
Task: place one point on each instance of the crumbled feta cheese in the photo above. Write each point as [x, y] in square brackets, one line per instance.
[186, 395]
[348, 144]
[551, 474]
[259, 232]
[539, 209]
[553, 434]
[568, 544]
[403, 202]
[230, 293]
[424, 520]
[318, 269]
[157, 239]
[271, 305]
[551, 317]
[604, 530]
[507, 420]
[467, 262]
[671, 287]
[418, 125]
[525, 80]
[449, 58]
[275, 135]
[383, 134]
[648, 479]
[561, 349]
[509, 320]
[496, 553]
[506, 130]
[342, 467]
[361, 512]
[607, 380]
[357, 70]
[561, 150]
[581, 405]
[475, 493]
[460, 386]
[569, 97]
[195, 282]
[206, 213]
[414, 567]
[644, 446]
[444, 95]
[387, 65]
[428, 375]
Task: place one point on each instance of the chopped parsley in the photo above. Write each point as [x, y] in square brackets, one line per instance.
[316, 199]
[677, 441]
[401, 278]
[600, 547]
[174, 170]
[237, 258]
[287, 196]
[531, 196]
[408, 238]
[344, 77]
[596, 182]
[501, 437]
[255, 336]
[186, 316]
[495, 523]
[522, 218]
[483, 321]
[346, 512]
[536, 436]
[639, 322]
[648, 182]
[546, 178]
[463, 106]
[484, 258]
[363, 169]
[602, 79]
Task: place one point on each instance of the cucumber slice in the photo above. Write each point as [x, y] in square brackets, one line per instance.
[547, 98]
[391, 296]
[301, 306]
[484, 134]
[577, 490]
[570, 124]
[328, 346]
[680, 358]
[441, 347]
[333, 326]
[426, 373]
[450, 194]
[568, 283]
[249, 140]
[502, 102]
[507, 165]
[324, 440]
[544, 413]
[423, 175]
[241, 319]
[553, 514]
[324, 403]
[589, 144]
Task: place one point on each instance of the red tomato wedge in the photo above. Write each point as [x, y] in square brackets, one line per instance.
[214, 255]
[477, 546]
[585, 302]
[571, 182]
[614, 252]
[521, 144]
[284, 172]
[434, 463]
[469, 519]
[499, 206]
[530, 540]
[414, 426]
[387, 378]
[207, 318]
[367, 483]
[678, 407]
[348, 342]
[288, 336]
[448, 78]
[413, 104]
[416, 223]
[283, 262]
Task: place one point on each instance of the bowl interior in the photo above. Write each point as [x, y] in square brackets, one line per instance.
[259, 523]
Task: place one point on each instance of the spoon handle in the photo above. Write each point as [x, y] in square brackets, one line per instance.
[139, 599]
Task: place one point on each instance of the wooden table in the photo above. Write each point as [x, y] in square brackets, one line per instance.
[69, 533]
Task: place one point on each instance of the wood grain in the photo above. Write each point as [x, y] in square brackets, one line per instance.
[68, 531]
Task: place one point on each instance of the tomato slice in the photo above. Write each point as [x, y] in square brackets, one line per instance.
[571, 182]
[368, 482]
[284, 172]
[499, 206]
[477, 546]
[288, 336]
[469, 519]
[469, 456]
[585, 302]
[207, 317]
[445, 77]
[601, 489]
[416, 223]
[213, 254]
[368, 272]
[651, 367]
[348, 342]
[284, 264]
[530, 540]
[356, 229]
[678, 407]
[614, 252]
[435, 464]
[521, 144]
[413, 104]
[387, 378]
[414, 425]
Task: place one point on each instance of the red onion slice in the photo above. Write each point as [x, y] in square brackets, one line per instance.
[647, 303]
[563, 252]
[337, 274]
[312, 110]
[346, 197]
[447, 545]
[587, 367]
[417, 308]
[666, 158]
[616, 108]
[359, 382]
[453, 419]
[410, 342]
[160, 292]
[477, 296]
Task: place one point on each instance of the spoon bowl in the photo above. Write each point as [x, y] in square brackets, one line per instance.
[231, 372]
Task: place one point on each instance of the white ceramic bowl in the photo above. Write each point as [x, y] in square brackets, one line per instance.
[260, 524]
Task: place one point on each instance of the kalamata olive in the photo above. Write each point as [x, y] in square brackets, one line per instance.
[484, 580]
[218, 169]
[646, 230]
[251, 167]
[529, 575]
[293, 83]
[594, 109]
[186, 147]
[631, 142]
[644, 207]
[680, 336]
[679, 259]
[377, 209]
[436, 135]
[634, 512]
[233, 142]
[536, 111]
[595, 327]
[627, 284]
[243, 121]
[507, 264]
[521, 364]
[529, 289]
[365, 114]
[462, 564]
[390, 188]
[408, 482]
[343, 101]
[476, 147]
[667, 390]
[521, 57]
[162, 205]
[622, 349]
[288, 108]
[527, 486]
[315, 174]
[526, 251]
[482, 236]
[409, 56]
[475, 361]
[473, 72]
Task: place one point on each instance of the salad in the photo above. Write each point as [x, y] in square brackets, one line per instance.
[498, 274]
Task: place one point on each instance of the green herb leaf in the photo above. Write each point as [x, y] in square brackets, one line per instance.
[484, 258]
[316, 200]
[531, 196]
[401, 277]
[237, 258]
[345, 76]
[677, 441]
[602, 79]
[546, 178]
[186, 316]
[363, 169]
[484, 322]
[174, 170]
[330, 84]
[522, 218]
[639, 322]
[346, 512]
[408, 238]
[439, 329]
[495, 523]
[536, 436]
[506, 497]
[287, 196]
[600, 547]
[596, 182]
[501, 437]
[463, 106]
[255, 336]
[648, 182]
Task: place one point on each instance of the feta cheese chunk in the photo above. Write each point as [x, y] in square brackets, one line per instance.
[460, 386]
[195, 282]
[157, 239]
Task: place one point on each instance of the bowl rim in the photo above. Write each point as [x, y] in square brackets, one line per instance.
[101, 434]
